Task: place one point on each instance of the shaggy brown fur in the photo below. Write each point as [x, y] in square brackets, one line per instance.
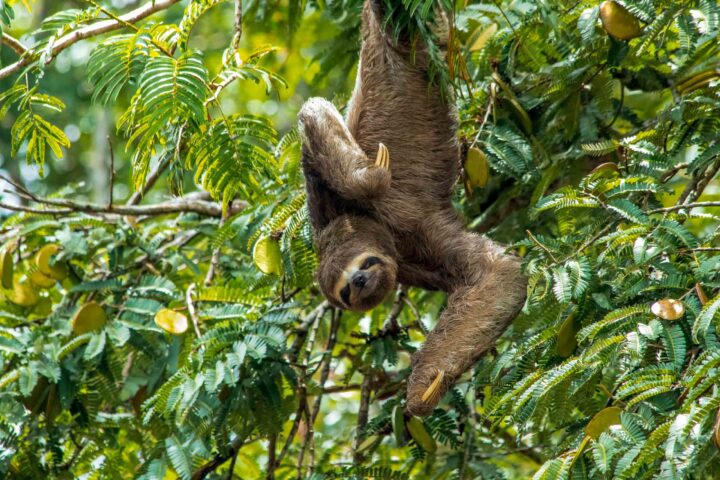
[399, 222]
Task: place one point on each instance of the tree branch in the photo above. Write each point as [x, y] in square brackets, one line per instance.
[188, 204]
[150, 181]
[98, 28]
[13, 43]
[686, 206]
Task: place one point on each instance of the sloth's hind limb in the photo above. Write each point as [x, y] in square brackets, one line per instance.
[476, 315]
[331, 152]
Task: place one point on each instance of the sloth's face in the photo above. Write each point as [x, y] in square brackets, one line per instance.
[362, 283]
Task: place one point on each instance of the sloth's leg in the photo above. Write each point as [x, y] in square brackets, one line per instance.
[330, 151]
[476, 315]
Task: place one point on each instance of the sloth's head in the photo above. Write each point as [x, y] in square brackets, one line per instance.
[357, 267]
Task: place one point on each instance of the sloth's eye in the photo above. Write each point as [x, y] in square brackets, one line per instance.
[369, 262]
[345, 294]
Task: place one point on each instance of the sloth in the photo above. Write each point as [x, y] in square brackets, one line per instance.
[379, 185]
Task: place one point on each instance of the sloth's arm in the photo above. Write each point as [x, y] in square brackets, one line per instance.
[476, 315]
[331, 152]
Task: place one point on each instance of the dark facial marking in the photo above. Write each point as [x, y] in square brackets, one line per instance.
[369, 262]
[345, 295]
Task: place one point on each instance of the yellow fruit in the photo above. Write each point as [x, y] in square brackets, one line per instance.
[267, 256]
[88, 318]
[369, 443]
[42, 280]
[420, 435]
[171, 321]
[7, 268]
[476, 167]
[23, 294]
[607, 167]
[668, 309]
[43, 260]
[618, 22]
[602, 421]
[566, 337]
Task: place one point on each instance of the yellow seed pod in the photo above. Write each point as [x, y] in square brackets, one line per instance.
[420, 435]
[43, 260]
[476, 167]
[566, 337]
[88, 318]
[668, 309]
[23, 293]
[369, 443]
[42, 280]
[602, 421]
[7, 268]
[171, 321]
[618, 22]
[267, 256]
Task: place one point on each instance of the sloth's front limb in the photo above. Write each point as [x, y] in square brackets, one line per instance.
[476, 315]
[330, 151]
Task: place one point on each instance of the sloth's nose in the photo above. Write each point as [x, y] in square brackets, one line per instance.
[359, 280]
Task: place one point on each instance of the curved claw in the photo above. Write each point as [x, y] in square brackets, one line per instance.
[432, 394]
[383, 157]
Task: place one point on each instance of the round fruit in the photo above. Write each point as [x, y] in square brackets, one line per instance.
[88, 318]
[23, 293]
[171, 321]
[476, 167]
[43, 261]
[267, 256]
[618, 22]
[668, 309]
[42, 280]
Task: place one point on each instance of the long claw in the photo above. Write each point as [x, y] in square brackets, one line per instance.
[383, 157]
[432, 394]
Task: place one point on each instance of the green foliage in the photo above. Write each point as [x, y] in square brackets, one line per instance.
[600, 151]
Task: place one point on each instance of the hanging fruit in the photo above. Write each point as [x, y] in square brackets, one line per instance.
[88, 318]
[618, 22]
[668, 309]
[476, 167]
[171, 321]
[267, 256]
[44, 262]
[23, 293]
[602, 421]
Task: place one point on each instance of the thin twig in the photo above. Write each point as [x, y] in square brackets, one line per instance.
[191, 309]
[304, 331]
[97, 28]
[150, 181]
[362, 418]
[537, 242]
[271, 463]
[188, 204]
[232, 465]
[13, 43]
[302, 386]
[112, 171]
[22, 208]
[238, 25]
[686, 206]
[391, 326]
[215, 260]
[324, 374]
